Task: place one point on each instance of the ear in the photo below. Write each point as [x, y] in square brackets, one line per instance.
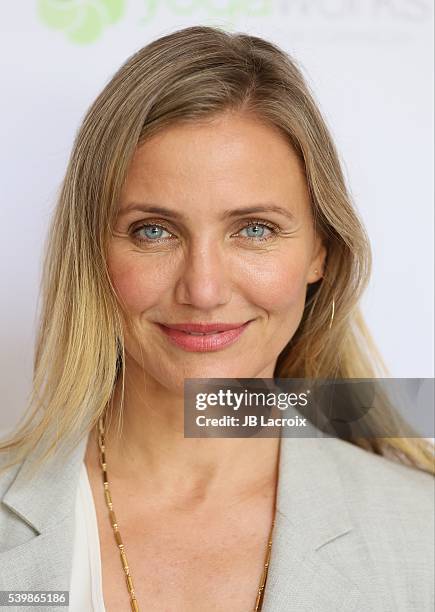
[315, 271]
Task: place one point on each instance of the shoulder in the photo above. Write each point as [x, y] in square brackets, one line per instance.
[391, 507]
[366, 475]
[37, 493]
[392, 504]
[372, 486]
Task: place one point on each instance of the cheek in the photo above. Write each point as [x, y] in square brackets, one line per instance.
[138, 286]
[275, 284]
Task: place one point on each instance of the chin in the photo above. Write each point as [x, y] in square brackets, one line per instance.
[216, 370]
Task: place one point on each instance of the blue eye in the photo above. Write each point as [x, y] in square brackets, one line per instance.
[256, 230]
[152, 231]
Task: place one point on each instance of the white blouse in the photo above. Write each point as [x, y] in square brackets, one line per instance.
[86, 588]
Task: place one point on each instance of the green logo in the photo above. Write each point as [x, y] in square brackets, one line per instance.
[83, 21]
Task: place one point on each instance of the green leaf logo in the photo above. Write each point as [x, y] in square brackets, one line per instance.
[82, 21]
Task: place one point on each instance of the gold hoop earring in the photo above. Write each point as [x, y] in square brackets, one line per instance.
[333, 311]
[333, 306]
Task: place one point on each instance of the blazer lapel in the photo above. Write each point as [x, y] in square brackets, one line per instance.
[46, 504]
[310, 513]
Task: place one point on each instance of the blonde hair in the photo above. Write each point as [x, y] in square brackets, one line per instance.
[190, 75]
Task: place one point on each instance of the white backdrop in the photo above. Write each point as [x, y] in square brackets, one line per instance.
[370, 65]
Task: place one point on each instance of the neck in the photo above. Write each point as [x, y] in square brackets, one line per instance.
[153, 458]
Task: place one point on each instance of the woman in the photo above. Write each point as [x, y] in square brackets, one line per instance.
[204, 192]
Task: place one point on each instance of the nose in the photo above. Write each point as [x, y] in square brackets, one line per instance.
[204, 280]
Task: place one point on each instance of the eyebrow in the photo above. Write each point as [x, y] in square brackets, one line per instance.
[230, 213]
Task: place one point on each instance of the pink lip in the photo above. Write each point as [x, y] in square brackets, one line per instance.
[228, 334]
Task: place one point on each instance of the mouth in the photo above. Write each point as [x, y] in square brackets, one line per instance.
[203, 337]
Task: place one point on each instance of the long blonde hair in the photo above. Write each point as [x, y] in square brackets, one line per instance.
[190, 75]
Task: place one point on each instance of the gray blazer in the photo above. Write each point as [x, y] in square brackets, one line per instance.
[354, 531]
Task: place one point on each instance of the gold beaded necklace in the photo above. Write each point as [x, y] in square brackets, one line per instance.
[129, 581]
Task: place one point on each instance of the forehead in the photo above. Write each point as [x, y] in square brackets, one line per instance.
[222, 160]
[223, 144]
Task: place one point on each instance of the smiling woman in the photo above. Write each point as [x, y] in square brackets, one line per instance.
[244, 268]
[204, 230]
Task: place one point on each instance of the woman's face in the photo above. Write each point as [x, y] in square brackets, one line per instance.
[234, 244]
